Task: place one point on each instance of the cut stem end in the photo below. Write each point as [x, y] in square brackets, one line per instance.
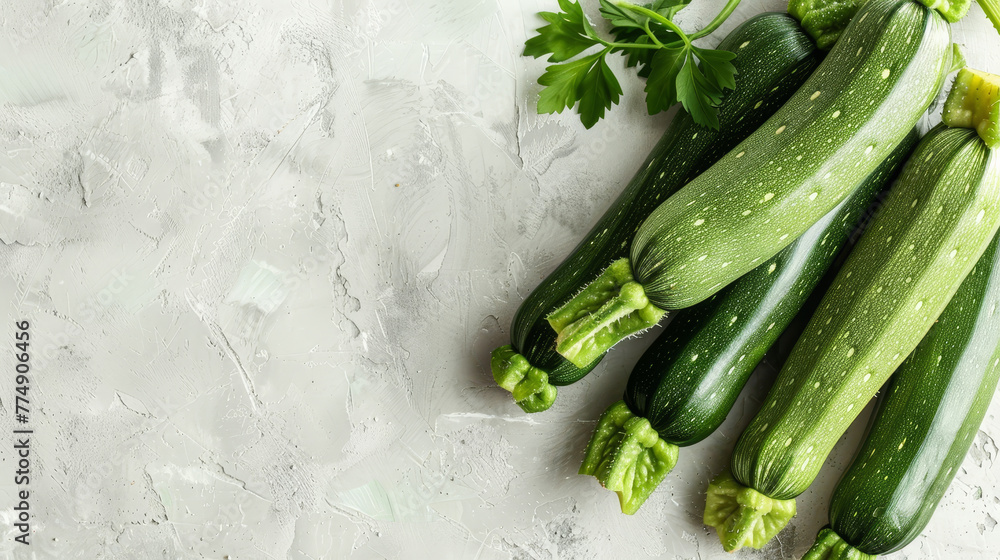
[824, 20]
[974, 102]
[527, 384]
[627, 456]
[829, 546]
[612, 307]
[743, 516]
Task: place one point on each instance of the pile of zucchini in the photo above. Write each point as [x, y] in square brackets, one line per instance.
[775, 57]
[730, 231]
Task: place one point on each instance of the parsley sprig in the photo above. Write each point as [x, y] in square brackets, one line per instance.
[650, 40]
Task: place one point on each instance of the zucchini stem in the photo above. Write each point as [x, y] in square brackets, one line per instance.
[824, 20]
[627, 456]
[612, 307]
[974, 102]
[528, 385]
[743, 516]
[829, 546]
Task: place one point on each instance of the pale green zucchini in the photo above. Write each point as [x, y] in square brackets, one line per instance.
[853, 111]
[931, 408]
[937, 222]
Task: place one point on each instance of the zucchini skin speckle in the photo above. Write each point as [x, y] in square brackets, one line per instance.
[938, 220]
[684, 385]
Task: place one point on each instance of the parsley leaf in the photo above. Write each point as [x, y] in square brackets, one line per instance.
[637, 35]
[588, 81]
[717, 64]
[650, 41]
[604, 91]
[697, 94]
[661, 85]
[562, 83]
[676, 77]
[563, 38]
[620, 16]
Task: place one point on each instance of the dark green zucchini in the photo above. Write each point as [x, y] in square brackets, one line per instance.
[925, 420]
[684, 385]
[867, 94]
[774, 57]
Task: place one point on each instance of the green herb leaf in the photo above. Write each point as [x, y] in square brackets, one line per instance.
[716, 65]
[641, 57]
[661, 85]
[669, 8]
[562, 84]
[598, 91]
[564, 37]
[588, 81]
[698, 94]
[623, 17]
[650, 41]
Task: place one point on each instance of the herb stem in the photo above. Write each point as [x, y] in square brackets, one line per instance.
[722, 16]
[613, 44]
[652, 37]
[659, 19]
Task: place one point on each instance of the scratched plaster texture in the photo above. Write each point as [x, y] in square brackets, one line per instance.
[265, 249]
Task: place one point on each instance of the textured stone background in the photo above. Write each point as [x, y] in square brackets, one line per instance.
[265, 249]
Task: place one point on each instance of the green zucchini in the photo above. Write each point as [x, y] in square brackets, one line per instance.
[936, 223]
[774, 57]
[684, 385]
[853, 111]
[925, 421]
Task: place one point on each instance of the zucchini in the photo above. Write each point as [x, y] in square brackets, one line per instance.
[936, 223]
[927, 416]
[684, 385]
[853, 111]
[774, 57]
[925, 421]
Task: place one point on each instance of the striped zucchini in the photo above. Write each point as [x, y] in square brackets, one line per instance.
[684, 385]
[853, 111]
[926, 419]
[774, 58]
[937, 222]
